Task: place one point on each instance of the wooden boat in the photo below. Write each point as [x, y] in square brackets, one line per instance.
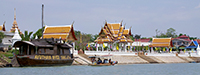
[43, 52]
[106, 62]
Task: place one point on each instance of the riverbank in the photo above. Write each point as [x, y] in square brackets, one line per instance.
[143, 59]
[82, 59]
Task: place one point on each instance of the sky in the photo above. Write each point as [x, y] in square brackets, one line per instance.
[143, 16]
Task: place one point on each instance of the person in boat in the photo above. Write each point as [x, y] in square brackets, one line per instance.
[99, 61]
[113, 62]
[105, 61]
[110, 61]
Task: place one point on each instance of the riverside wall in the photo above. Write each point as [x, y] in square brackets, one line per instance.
[158, 58]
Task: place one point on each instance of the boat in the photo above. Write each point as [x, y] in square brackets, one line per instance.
[43, 52]
[106, 60]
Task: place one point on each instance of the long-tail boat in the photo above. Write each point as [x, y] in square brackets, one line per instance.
[43, 52]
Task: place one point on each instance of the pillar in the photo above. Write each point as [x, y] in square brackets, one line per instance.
[107, 46]
[36, 50]
[125, 47]
[73, 48]
[15, 49]
[21, 52]
[130, 47]
[102, 47]
[120, 47]
[28, 50]
[96, 46]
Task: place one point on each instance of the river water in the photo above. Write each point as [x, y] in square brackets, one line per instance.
[131, 69]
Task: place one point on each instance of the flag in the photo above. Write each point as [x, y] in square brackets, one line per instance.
[96, 45]
[104, 45]
[156, 48]
[117, 48]
[170, 49]
[164, 49]
[88, 44]
[147, 48]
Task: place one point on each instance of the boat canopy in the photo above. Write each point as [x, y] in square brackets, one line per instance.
[42, 43]
[103, 56]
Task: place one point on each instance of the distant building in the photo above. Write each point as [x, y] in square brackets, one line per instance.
[193, 45]
[161, 42]
[15, 23]
[113, 34]
[141, 42]
[181, 42]
[6, 41]
[64, 32]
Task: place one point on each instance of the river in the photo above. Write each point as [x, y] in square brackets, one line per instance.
[131, 69]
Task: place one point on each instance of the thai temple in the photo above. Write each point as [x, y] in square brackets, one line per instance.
[115, 35]
[15, 23]
[7, 42]
[64, 32]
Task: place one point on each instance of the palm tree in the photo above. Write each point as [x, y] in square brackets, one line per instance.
[26, 36]
[1, 36]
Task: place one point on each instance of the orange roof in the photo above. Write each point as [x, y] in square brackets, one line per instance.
[115, 31]
[114, 25]
[64, 32]
[1, 27]
[126, 31]
[161, 42]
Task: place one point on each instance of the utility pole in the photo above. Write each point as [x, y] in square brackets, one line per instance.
[42, 20]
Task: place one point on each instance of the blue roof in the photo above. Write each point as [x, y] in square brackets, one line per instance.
[195, 43]
[191, 47]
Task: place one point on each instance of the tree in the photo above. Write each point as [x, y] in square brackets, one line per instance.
[180, 34]
[26, 36]
[38, 33]
[171, 32]
[137, 36]
[1, 36]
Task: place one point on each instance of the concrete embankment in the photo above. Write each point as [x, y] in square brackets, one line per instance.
[134, 59]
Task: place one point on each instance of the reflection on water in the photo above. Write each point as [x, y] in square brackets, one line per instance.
[136, 69]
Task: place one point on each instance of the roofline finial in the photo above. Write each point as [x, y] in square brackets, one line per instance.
[14, 13]
[4, 26]
[130, 28]
[73, 23]
[124, 25]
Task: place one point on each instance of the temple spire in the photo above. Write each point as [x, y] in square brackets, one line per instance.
[14, 23]
[14, 13]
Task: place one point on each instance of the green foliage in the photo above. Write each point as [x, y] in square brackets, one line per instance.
[170, 33]
[86, 38]
[38, 33]
[137, 36]
[1, 36]
[26, 36]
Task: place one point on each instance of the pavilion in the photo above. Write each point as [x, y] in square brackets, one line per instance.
[161, 43]
[64, 32]
[115, 35]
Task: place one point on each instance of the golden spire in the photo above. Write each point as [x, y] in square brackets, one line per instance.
[14, 13]
[14, 22]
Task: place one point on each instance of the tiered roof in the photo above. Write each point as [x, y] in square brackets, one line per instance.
[15, 23]
[65, 32]
[2, 27]
[112, 32]
[161, 42]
